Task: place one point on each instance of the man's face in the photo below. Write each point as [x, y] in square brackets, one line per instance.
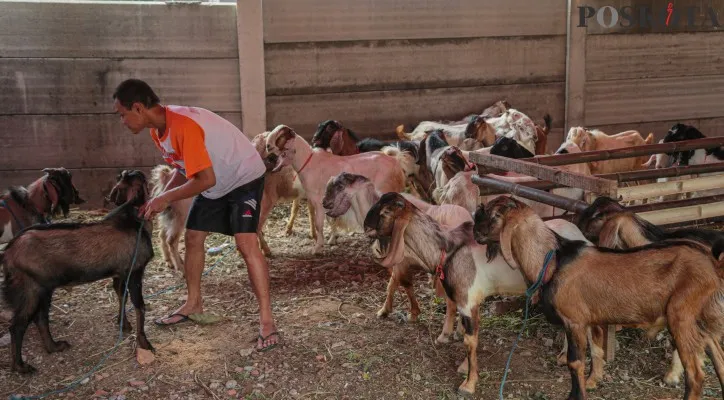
[133, 119]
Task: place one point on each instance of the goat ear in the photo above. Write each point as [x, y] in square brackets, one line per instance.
[396, 250]
[53, 195]
[336, 144]
[506, 239]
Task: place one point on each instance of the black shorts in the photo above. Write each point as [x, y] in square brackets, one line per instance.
[235, 212]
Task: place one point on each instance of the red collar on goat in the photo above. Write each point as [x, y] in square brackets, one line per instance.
[303, 165]
[439, 269]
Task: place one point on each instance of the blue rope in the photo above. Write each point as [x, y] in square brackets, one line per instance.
[528, 295]
[78, 381]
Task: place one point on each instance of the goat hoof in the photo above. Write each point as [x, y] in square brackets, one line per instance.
[443, 339]
[383, 313]
[591, 383]
[671, 380]
[562, 360]
[465, 392]
[288, 232]
[59, 346]
[24, 368]
[412, 317]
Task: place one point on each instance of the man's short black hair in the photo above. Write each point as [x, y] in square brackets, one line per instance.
[135, 91]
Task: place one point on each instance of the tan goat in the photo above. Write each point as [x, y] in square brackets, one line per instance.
[677, 283]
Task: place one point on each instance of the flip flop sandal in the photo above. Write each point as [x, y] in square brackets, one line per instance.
[159, 322]
[263, 339]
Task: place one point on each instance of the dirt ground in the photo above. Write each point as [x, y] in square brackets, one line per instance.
[334, 347]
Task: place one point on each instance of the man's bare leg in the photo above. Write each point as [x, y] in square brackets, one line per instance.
[193, 268]
[258, 269]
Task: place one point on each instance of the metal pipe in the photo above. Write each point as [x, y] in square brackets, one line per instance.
[533, 194]
[626, 152]
[629, 176]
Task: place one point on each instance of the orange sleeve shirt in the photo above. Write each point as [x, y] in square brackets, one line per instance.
[182, 144]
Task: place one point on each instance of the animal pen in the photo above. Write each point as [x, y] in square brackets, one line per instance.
[676, 213]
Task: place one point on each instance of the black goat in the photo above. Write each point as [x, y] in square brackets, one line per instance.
[42, 258]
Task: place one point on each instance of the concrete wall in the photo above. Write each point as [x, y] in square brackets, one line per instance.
[372, 64]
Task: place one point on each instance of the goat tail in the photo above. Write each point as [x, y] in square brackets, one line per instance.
[160, 176]
[404, 158]
[400, 131]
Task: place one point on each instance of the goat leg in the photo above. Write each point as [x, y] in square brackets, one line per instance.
[576, 335]
[686, 337]
[172, 239]
[318, 225]
[392, 285]
[135, 288]
[312, 213]
[19, 324]
[716, 355]
[472, 325]
[673, 375]
[597, 361]
[165, 248]
[406, 281]
[292, 217]
[42, 321]
[447, 326]
[118, 284]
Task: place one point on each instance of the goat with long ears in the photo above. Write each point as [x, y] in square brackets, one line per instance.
[609, 224]
[43, 258]
[314, 168]
[676, 282]
[49, 195]
[467, 274]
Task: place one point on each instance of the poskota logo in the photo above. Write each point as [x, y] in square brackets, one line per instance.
[645, 17]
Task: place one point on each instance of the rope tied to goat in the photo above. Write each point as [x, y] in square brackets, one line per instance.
[528, 296]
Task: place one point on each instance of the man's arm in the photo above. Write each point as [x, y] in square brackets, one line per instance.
[201, 181]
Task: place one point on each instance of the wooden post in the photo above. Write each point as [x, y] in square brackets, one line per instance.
[575, 69]
[250, 31]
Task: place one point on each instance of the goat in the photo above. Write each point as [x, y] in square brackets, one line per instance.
[314, 168]
[42, 258]
[171, 220]
[47, 196]
[465, 134]
[608, 224]
[677, 283]
[282, 185]
[353, 195]
[590, 140]
[467, 275]
[677, 133]
[333, 136]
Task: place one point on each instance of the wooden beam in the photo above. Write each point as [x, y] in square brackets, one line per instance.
[666, 188]
[597, 185]
[575, 98]
[626, 152]
[627, 176]
[682, 214]
[250, 31]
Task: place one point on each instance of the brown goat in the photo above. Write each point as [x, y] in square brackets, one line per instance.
[678, 283]
[172, 220]
[608, 224]
[46, 197]
[43, 258]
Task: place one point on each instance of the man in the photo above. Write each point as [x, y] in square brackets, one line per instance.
[224, 172]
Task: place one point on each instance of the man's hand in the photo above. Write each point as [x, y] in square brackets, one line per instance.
[154, 206]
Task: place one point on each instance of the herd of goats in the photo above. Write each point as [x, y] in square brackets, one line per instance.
[415, 199]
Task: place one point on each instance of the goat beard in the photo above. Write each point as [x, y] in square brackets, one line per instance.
[397, 248]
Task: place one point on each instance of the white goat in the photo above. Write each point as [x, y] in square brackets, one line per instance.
[460, 263]
[172, 220]
[314, 168]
